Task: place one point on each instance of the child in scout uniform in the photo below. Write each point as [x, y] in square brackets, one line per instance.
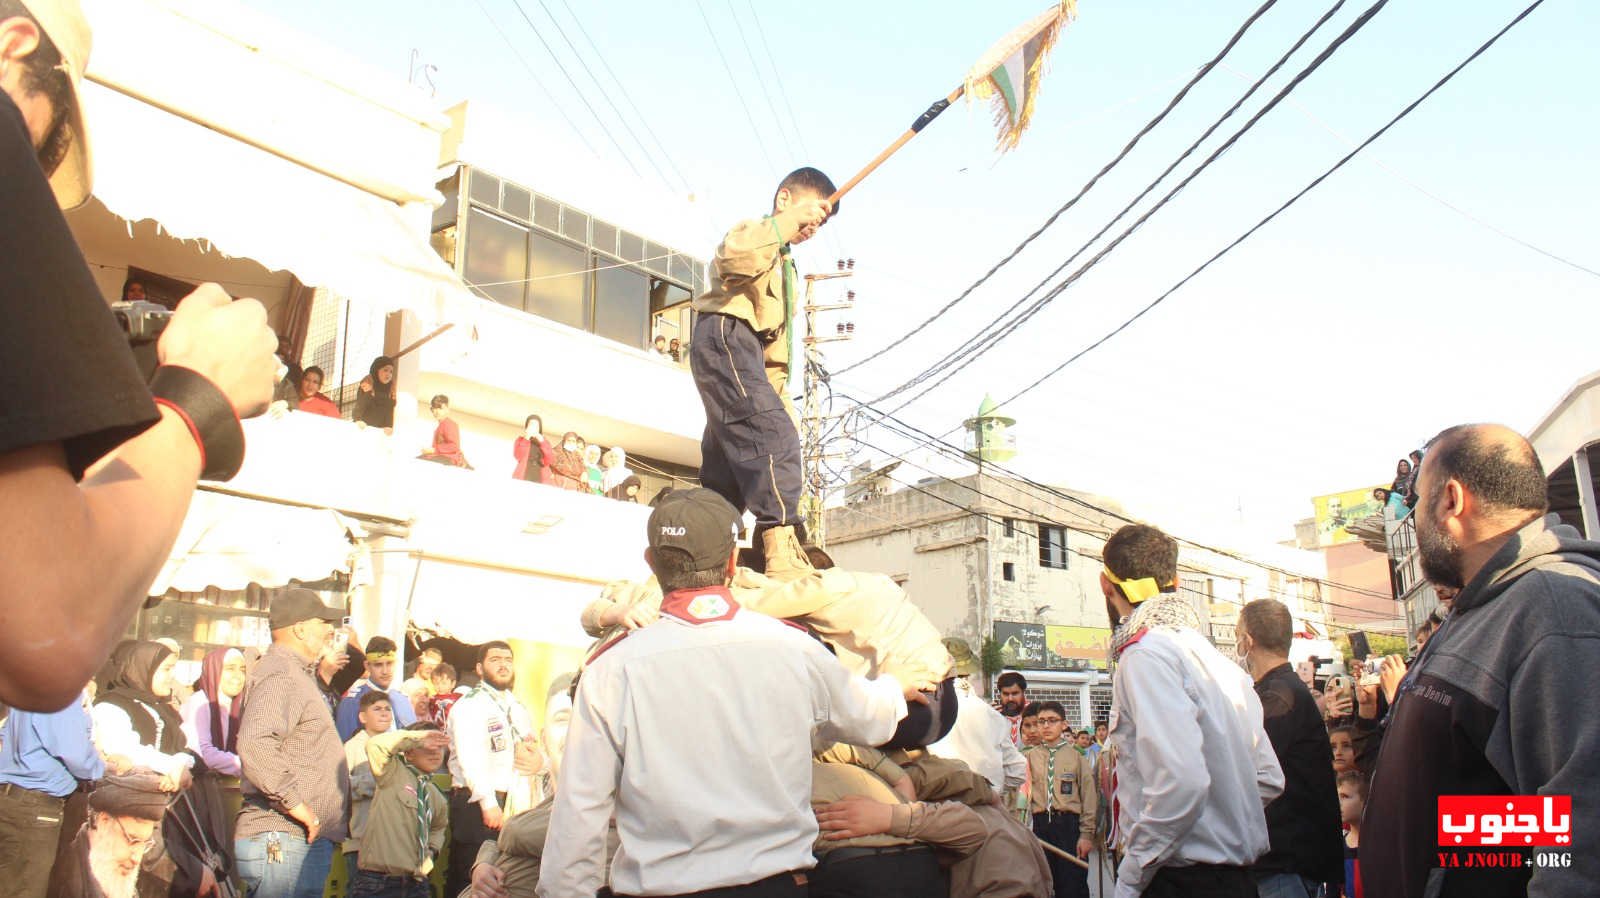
[740, 354]
[406, 824]
[1063, 798]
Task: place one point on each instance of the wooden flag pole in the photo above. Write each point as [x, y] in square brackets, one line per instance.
[1064, 855]
[916, 126]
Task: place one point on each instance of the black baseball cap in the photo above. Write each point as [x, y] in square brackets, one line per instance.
[696, 521]
[292, 606]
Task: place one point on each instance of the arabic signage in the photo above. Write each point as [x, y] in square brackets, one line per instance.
[1041, 647]
[1509, 821]
[1336, 511]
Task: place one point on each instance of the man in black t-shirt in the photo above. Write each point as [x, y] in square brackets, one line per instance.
[96, 471]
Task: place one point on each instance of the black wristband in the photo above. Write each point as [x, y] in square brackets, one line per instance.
[210, 417]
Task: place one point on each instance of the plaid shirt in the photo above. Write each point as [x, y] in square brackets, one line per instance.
[290, 751]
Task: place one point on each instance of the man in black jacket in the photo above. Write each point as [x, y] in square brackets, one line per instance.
[1502, 699]
[1303, 823]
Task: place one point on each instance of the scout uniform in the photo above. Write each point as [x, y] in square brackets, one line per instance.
[406, 825]
[739, 355]
[1063, 801]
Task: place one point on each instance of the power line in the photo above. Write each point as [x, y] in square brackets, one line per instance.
[537, 81]
[760, 80]
[575, 89]
[1087, 186]
[1429, 194]
[1274, 214]
[622, 88]
[783, 92]
[998, 331]
[734, 83]
[912, 432]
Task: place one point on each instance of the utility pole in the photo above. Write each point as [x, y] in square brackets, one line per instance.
[813, 453]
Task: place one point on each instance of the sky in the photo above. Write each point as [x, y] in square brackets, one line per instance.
[1360, 322]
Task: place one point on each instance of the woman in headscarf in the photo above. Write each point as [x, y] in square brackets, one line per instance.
[1402, 477]
[627, 490]
[211, 714]
[594, 478]
[613, 469]
[533, 453]
[375, 400]
[571, 473]
[134, 717]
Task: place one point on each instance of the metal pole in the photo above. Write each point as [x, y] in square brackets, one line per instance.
[1582, 473]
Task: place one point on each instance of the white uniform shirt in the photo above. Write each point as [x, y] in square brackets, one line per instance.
[698, 735]
[1195, 769]
[981, 738]
[484, 727]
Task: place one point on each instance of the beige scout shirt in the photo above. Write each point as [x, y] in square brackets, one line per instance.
[1008, 862]
[746, 282]
[1063, 782]
[519, 850]
[868, 614]
[390, 845]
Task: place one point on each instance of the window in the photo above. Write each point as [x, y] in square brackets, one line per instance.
[497, 257]
[559, 285]
[485, 189]
[665, 295]
[518, 202]
[1053, 547]
[621, 304]
[1008, 571]
[546, 213]
[1011, 526]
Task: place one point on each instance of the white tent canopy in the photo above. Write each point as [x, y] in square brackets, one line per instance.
[230, 542]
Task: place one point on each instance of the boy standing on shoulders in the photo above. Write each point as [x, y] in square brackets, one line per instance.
[739, 355]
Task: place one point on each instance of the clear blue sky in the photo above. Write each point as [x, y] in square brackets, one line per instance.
[1359, 323]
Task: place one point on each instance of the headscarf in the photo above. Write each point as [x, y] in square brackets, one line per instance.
[379, 404]
[210, 683]
[620, 491]
[616, 474]
[570, 463]
[133, 668]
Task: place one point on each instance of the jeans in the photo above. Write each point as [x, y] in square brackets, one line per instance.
[1284, 885]
[301, 871]
[366, 884]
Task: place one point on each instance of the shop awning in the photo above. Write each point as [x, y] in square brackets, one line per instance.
[203, 185]
[474, 603]
[230, 542]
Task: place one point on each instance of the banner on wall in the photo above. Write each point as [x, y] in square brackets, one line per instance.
[1050, 647]
[1337, 511]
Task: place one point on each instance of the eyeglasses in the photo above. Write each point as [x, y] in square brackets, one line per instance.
[146, 843]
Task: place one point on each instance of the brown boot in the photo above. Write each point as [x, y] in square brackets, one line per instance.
[786, 560]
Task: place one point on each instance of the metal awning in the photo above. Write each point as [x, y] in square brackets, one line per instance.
[230, 542]
[200, 184]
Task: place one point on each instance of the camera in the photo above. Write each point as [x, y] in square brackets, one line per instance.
[141, 321]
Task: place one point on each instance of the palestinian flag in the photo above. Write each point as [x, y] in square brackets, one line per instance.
[1008, 75]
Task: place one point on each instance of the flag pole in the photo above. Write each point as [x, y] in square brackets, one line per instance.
[916, 126]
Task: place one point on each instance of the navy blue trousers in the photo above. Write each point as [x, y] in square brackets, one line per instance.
[750, 452]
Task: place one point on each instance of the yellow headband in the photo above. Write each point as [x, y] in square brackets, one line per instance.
[1136, 590]
[380, 656]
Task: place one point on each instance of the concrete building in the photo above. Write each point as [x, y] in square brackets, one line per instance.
[995, 560]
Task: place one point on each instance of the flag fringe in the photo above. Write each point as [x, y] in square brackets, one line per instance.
[1009, 129]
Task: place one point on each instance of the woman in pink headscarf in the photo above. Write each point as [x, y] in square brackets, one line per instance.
[211, 715]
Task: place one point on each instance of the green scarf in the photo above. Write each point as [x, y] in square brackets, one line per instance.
[1050, 775]
[790, 276]
[424, 809]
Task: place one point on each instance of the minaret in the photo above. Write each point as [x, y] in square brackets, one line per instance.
[989, 437]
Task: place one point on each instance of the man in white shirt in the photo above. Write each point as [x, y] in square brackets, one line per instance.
[696, 734]
[981, 737]
[486, 726]
[1194, 769]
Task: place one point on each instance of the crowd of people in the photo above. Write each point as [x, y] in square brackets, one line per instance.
[571, 464]
[1399, 497]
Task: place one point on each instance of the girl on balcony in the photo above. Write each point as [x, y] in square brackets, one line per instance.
[533, 453]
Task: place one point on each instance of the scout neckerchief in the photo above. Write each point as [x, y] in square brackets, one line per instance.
[700, 606]
[790, 276]
[500, 702]
[424, 811]
[1050, 775]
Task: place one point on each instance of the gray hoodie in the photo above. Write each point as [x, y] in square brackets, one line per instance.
[1504, 701]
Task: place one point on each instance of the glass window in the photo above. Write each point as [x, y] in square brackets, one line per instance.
[680, 270]
[605, 237]
[655, 258]
[621, 305]
[1008, 571]
[575, 224]
[497, 257]
[546, 213]
[558, 286]
[485, 189]
[1052, 547]
[518, 202]
[664, 295]
[632, 247]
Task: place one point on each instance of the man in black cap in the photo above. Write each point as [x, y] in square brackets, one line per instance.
[695, 733]
[125, 813]
[296, 783]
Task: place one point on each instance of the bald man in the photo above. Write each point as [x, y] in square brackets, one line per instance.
[1502, 699]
